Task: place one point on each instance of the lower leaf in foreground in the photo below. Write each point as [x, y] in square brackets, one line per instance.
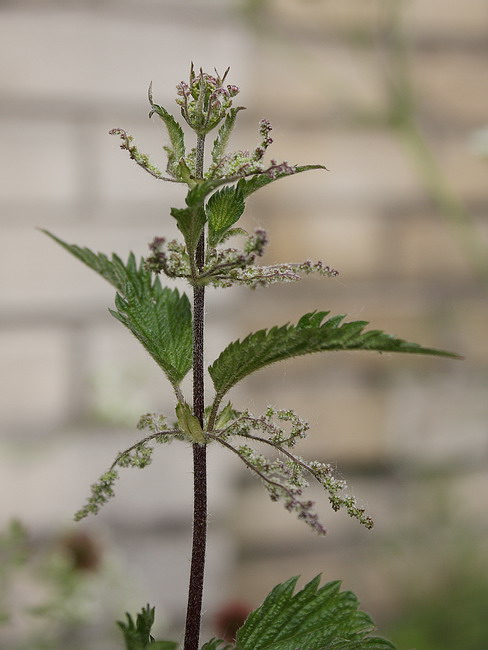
[315, 618]
[312, 619]
[137, 635]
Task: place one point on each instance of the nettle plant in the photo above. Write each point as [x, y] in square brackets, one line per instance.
[171, 330]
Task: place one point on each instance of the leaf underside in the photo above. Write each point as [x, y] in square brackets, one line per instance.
[311, 334]
[312, 619]
[160, 318]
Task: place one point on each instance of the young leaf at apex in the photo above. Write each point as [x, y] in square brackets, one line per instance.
[224, 208]
[224, 133]
[191, 222]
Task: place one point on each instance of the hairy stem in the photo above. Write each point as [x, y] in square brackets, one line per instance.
[197, 570]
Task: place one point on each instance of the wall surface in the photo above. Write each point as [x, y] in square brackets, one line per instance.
[389, 96]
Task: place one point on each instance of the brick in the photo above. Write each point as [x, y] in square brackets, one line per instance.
[120, 180]
[466, 326]
[347, 240]
[254, 580]
[429, 424]
[464, 172]
[122, 380]
[357, 161]
[84, 54]
[449, 84]
[34, 379]
[424, 18]
[40, 165]
[347, 422]
[63, 282]
[316, 81]
[320, 17]
[47, 487]
[472, 483]
[418, 237]
[262, 525]
[155, 560]
[148, 524]
[435, 18]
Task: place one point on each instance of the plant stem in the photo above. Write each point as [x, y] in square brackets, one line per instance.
[197, 570]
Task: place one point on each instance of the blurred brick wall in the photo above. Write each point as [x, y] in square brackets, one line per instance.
[73, 383]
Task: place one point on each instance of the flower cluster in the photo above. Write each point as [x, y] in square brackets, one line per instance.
[238, 164]
[261, 276]
[221, 263]
[101, 492]
[138, 455]
[285, 482]
[141, 159]
[245, 422]
[285, 479]
[225, 267]
[170, 258]
[205, 100]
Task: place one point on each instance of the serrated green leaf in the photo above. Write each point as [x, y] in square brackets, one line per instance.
[223, 209]
[183, 172]
[249, 185]
[114, 270]
[175, 131]
[259, 621]
[222, 139]
[160, 318]
[233, 232]
[137, 635]
[312, 619]
[371, 643]
[177, 150]
[191, 222]
[189, 424]
[197, 195]
[265, 347]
